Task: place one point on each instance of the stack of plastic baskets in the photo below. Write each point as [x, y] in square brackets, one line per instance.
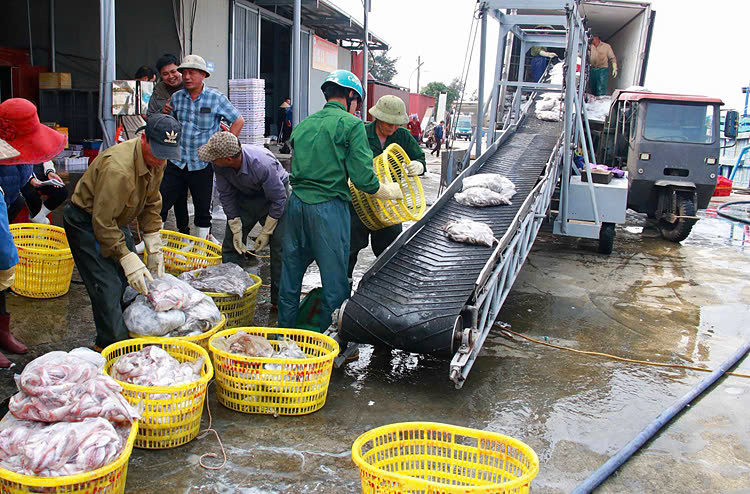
[275, 386]
[390, 166]
[186, 253]
[109, 478]
[423, 457]
[239, 310]
[201, 339]
[171, 415]
[45, 263]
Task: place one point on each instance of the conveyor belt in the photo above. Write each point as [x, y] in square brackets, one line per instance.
[413, 301]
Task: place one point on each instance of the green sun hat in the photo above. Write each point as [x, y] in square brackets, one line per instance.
[390, 109]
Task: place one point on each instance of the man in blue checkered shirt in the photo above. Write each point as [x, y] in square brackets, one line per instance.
[200, 110]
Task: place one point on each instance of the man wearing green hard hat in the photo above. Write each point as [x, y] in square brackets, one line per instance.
[329, 148]
[389, 114]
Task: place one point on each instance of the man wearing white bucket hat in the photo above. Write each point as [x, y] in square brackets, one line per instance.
[390, 114]
[199, 110]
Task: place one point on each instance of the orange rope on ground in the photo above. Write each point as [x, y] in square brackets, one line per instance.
[615, 357]
[208, 429]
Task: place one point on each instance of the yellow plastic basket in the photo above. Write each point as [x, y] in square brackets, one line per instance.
[186, 253]
[199, 339]
[171, 415]
[238, 310]
[109, 478]
[273, 385]
[45, 264]
[390, 166]
[423, 457]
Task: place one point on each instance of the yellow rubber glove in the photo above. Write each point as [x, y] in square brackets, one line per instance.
[155, 257]
[6, 277]
[389, 192]
[614, 69]
[265, 235]
[136, 272]
[235, 226]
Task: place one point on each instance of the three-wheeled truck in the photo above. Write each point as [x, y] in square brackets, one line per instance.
[669, 144]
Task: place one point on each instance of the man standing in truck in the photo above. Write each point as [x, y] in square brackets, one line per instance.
[600, 56]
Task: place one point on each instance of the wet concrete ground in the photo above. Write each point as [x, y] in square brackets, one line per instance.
[650, 300]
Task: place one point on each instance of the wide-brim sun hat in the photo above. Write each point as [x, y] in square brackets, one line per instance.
[21, 129]
[194, 62]
[284, 105]
[390, 109]
[7, 151]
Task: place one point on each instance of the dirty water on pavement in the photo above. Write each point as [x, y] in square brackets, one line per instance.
[649, 300]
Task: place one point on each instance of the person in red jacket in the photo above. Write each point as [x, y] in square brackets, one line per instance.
[414, 128]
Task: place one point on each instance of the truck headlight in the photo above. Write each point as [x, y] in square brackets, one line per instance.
[710, 161]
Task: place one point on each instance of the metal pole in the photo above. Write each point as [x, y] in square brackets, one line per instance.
[570, 88]
[365, 60]
[28, 17]
[296, 69]
[480, 101]
[519, 90]
[52, 35]
[496, 84]
[419, 69]
[107, 70]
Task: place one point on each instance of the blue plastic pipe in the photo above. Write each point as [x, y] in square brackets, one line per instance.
[603, 473]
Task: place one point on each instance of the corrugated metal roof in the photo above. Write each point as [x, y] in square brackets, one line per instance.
[328, 21]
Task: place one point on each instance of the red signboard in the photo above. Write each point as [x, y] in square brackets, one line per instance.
[325, 55]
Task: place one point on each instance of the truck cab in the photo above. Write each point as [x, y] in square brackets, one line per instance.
[463, 127]
[669, 144]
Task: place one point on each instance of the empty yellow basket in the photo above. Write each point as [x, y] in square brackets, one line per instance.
[186, 253]
[45, 264]
[432, 458]
[390, 166]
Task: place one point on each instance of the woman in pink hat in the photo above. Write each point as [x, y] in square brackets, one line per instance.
[23, 139]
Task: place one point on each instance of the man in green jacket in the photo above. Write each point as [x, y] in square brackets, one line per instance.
[330, 147]
[389, 114]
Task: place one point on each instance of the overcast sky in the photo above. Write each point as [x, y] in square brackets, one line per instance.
[698, 47]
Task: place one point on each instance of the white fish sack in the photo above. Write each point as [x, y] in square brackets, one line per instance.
[65, 448]
[493, 181]
[100, 396]
[549, 115]
[223, 278]
[56, 373]
[141, 318]
[479, 197]
[243, 343]
[153, 366]
[547, 105]
[470, 232]
[168, 292]
[199, 318]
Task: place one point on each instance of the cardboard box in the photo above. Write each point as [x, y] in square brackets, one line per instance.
[55, 80]
[597, 176]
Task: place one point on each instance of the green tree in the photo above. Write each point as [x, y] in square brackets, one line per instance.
[382, 67]
[453, 89]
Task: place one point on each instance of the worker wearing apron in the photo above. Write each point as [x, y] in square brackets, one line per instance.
[390, 114]
[122, 184]
[330, 147]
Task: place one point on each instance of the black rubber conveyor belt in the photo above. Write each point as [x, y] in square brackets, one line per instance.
[413, 301]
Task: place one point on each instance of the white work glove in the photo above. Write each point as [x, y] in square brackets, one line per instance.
[136, 272]
[235, 225]
[265, 235]
[389, 191]
[414, 168]
[155, 258]
[6, 278]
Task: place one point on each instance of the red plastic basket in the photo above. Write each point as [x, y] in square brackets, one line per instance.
[723, 187]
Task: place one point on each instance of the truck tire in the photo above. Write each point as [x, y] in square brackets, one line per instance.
[679, 231]
[606, 238]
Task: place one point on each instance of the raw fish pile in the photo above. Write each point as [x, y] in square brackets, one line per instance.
[222, 278]
[67, 417]
[242, 343]
[172, 308]
[153, 366]
[486, 189]
[469, 232]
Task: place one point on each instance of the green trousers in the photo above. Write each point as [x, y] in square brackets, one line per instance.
[599, 81]
[254, 209]
[103, 276]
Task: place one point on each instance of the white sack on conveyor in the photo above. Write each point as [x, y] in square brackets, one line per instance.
[100, 396]
[549, 115]
[141, 318]
[469, 232]
[479, 197]
[223, 278]
[493, 181]
[65, 448]
[153, 366]
[167, 293]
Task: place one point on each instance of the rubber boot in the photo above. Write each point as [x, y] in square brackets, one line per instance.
[7, 340]
[4, 362]
[203, 232]
[41, 216]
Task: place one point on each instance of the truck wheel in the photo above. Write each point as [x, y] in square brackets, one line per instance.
[606, 238]
[679, 231]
